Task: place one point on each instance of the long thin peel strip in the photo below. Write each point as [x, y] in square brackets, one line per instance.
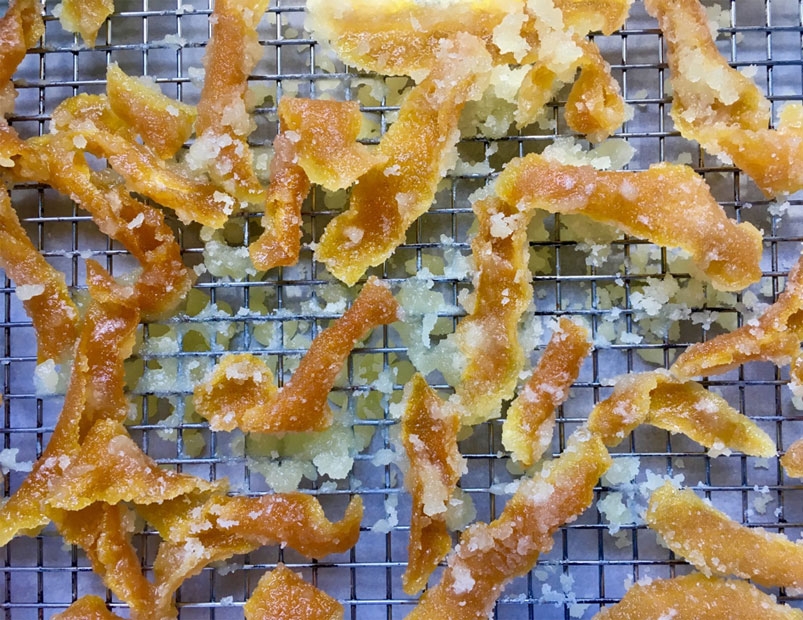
[418, 146]
[87, 607]
[46, 299]
[774, 336]
[667, 204]
[224, 123]
[281, 593]
[717, 545]
[429, 427]
[85, 17]
[227, 526]
[164, 124]
[488, 336]
[792, 460]
[657, 399]
[90, 118]
[695, 596]
[20, 28]
[530, 422]
[241, 394]
[490, 555]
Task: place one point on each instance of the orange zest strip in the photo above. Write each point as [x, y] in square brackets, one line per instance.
[20, 28]
[164, 124]
[87, 608]
[227, 526]
[774, 336]
[42, 288]
[325, 133]
[95, 392]
[717, 545]
[224, 123]
[241, 394]
[85, 17]
[89, 117]
[280, 244]
[668, 204]
[488, 336]
[104, 533]
[792, 461]
[657, 399]
[695, 596]
[530, 423]
[391, 196]
[281, 593]
[429, 428]
[490, 555]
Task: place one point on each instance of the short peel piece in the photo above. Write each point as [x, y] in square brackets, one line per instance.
[282, 593]
[429, 427]
[717, 545]
[85, 17]
[87, 607]
[689, 597]
[792, 460]
[774, 336]
[488, 336]
[241, 394]
[657, 399]
[417, 148]
[42, 288]
[530, 423]
[667, 204]
[490, 555]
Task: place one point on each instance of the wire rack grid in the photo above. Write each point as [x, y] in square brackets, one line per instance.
[164, 39]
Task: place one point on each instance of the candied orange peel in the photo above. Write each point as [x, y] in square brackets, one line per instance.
[41, 287]
[695, 596]
[490, 555]
[530, 422]
[227, 526]
[792, 460]
[417, 147]
[717, 545]
[773, 336]
[591, 15]
[667, 204]
[85, 17]
[657, 399]
[87, 607]
[20, 28]
[89, 118]
[241, 393]
[429, 429]
[224, 123]
[164, 124]
[282, 593]
[488, 336]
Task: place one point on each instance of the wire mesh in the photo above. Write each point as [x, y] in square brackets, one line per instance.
[164, 39]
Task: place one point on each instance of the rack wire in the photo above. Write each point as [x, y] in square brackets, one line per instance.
[40, 576]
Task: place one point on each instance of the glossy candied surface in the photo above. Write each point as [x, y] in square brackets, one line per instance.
[792, 460]
[668, 204]
[87, 607]
[85, 17]
[282, 594]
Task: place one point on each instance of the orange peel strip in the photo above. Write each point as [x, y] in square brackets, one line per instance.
[488, 336]
[20, 28]
[792, 461]
[587, 16]
[85, 17]
[104, 533]
[241, 393]
[280, 244]
[54, 315]
[227, 526]
[90, 117]
[658, 204]
[530, 423]
[391, 196]
[774, 336]
[223, 122]
[490, 555]
[678, 407]
[695, 596]
[429, 429]
[326, 133]
[95, 392]
[717, 545]
[87, 607]
[281, 593]
[164, 124]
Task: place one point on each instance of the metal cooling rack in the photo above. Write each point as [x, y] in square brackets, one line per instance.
[40, 576]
